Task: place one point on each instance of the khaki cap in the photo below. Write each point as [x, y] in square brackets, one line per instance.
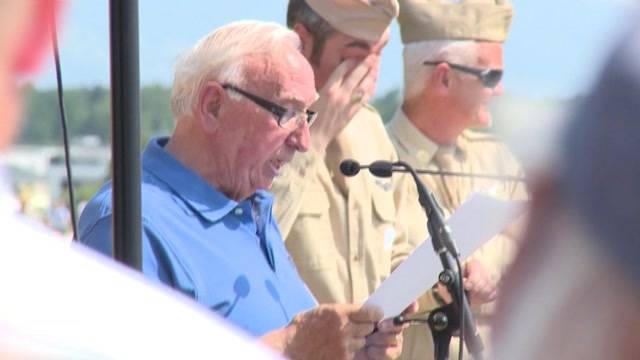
[480, 20]
[362, 19]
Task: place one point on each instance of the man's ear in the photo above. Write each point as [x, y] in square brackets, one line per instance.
[306, 38]
[209, 103]
[441, 77]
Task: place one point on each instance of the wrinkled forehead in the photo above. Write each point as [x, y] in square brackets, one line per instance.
[287, 75]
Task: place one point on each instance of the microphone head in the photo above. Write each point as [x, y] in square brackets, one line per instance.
[381, 168]
[349, 167]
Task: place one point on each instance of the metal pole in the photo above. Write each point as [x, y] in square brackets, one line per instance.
[125, 125]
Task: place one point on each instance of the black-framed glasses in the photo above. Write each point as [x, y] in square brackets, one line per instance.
[282, 114]
[489, 77]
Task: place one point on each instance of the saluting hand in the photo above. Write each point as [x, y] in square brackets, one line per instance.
[349, 87]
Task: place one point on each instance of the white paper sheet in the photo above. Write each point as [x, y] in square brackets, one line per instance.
[477, 220]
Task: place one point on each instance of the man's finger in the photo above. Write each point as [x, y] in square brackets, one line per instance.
[355, 344]
[381, 353]
[367, 314]
[384, 339]
[386, 326]
[356, 77]
[339, 74]
[360, 329]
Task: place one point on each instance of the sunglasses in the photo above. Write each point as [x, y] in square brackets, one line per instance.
[489, 77]
[282, 114]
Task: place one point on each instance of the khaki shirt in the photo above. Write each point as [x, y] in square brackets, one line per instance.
[476, 153]
[345, 234]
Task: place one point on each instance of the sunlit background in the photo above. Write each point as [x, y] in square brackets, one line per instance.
[551, 58]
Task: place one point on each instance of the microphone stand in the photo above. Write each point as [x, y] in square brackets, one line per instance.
[446, 250]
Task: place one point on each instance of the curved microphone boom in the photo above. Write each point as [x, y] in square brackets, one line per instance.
[445, 248]
[441, 239]
[382, 168]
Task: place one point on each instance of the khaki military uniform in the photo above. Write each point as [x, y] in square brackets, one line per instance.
[345, 234]
[473, 152]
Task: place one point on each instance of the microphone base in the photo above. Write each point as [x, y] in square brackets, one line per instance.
[443, 323]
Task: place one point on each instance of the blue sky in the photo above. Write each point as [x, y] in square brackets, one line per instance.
[554, 49]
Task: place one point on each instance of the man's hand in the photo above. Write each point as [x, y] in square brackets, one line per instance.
[347, 89]
[330, 331]
[478, 283]
[480, 286]
[386, 341]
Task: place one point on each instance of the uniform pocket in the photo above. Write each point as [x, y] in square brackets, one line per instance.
[383, 206]
[383, 222]
[310, 241]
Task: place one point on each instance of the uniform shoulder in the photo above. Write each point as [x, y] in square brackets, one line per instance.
[484, 138]
[367, 117]
[484, 141]
[370, 108]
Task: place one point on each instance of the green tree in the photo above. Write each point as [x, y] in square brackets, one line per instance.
[387, 104]
[88, 112]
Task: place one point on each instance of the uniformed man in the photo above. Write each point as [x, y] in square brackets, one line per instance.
[344, 233]
[453, 62]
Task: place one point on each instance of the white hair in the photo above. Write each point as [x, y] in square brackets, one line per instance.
[461, 52]
[220, 56]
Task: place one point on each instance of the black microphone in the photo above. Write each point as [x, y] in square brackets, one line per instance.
[382, 168]
[350, 167]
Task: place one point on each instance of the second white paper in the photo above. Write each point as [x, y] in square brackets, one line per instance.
[477, 220]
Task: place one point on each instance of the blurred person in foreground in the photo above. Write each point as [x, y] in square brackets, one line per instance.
[60, 302]
[574, 290]
[453, 63]
[241, 101]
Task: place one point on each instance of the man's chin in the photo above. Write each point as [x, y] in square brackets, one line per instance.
[484, 121]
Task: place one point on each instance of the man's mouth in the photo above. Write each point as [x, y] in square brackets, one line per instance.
[276, 164]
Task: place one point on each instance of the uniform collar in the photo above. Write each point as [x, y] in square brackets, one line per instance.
[201, 197]
[419, 148]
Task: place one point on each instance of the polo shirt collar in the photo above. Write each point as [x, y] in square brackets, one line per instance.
[201, 197]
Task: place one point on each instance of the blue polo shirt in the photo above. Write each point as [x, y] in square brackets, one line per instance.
[229, 256]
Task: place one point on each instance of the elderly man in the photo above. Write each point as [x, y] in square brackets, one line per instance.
[579, 265]
[453, 61]
[58, 302]
[240, 99]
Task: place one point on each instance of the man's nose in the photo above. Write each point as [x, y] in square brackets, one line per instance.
[300, 137]
[499, 89]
